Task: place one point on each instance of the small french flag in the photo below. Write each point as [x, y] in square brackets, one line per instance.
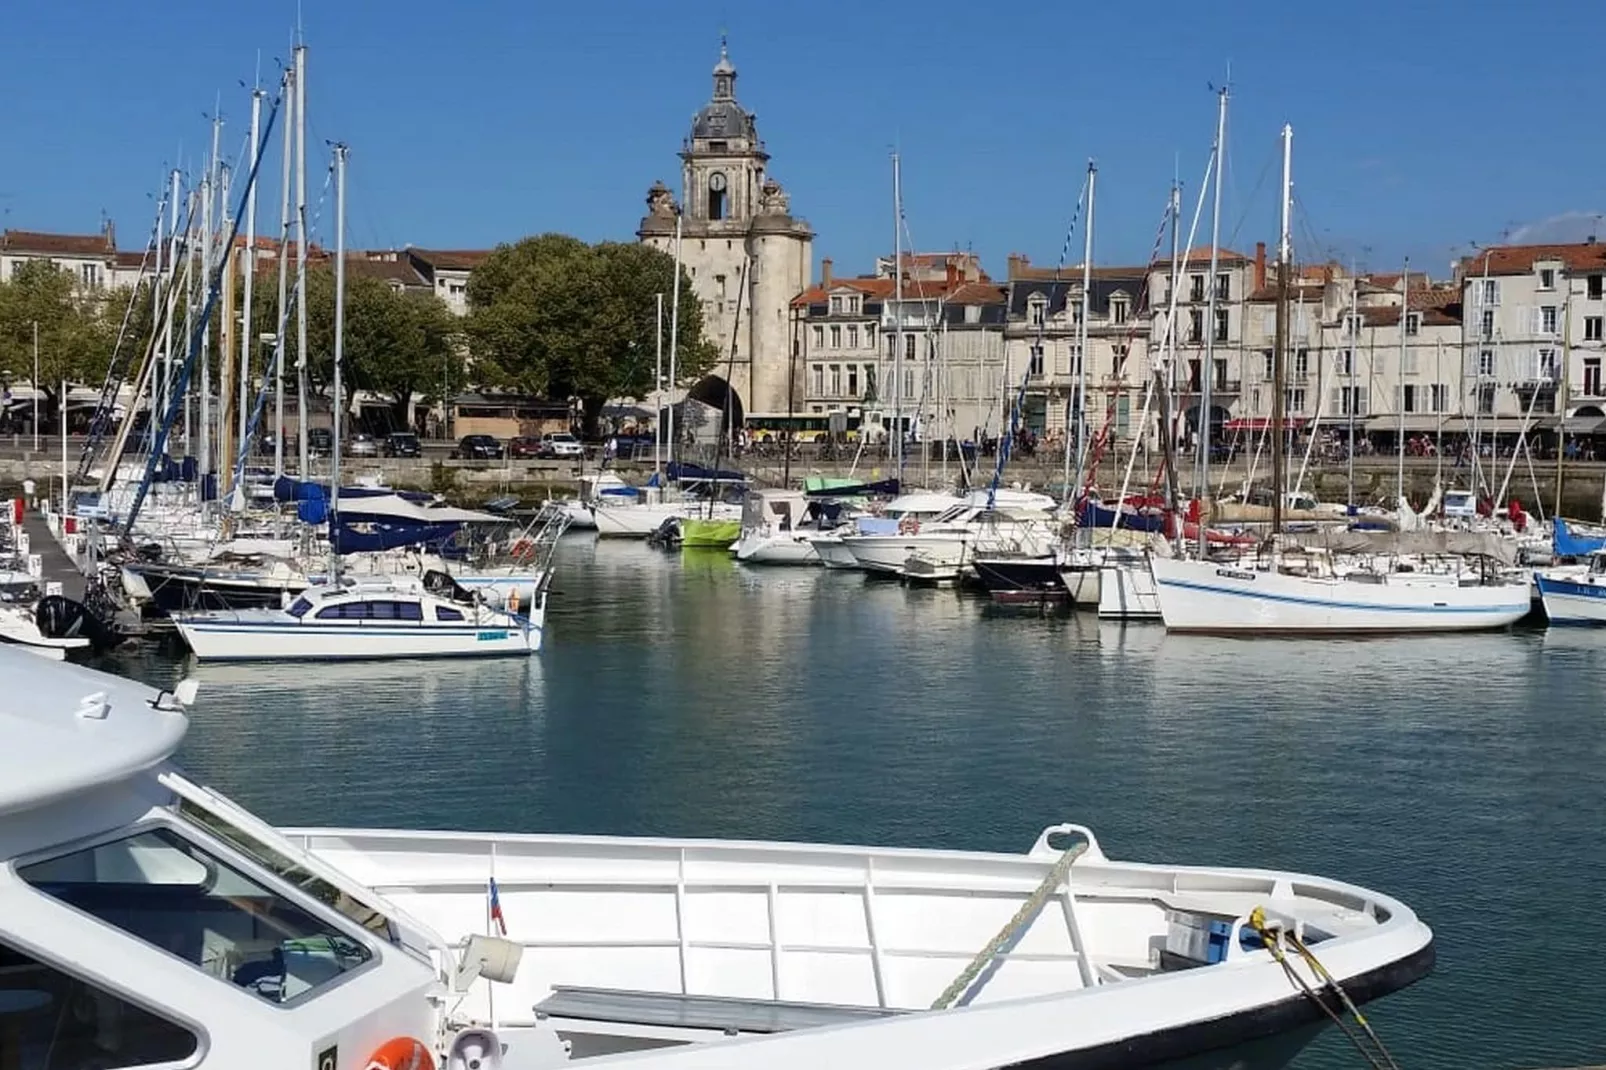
[496, 910]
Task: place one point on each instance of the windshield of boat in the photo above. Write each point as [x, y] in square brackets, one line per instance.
[190, 901]
[299, 608]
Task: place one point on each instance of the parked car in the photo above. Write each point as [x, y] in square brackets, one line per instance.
[403, 444]
[478, 448]
[320, 442]
[560, 445]
[362, 445]
[523, 447]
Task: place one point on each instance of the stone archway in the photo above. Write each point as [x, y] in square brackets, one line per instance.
[719, 395]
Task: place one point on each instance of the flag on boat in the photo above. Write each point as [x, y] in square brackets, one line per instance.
[496, 910]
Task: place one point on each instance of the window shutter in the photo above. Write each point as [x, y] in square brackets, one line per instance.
[1337, 400]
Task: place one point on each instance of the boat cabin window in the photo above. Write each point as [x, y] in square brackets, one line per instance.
[299, 607]
[187, 901]
[447, 613]
[371, 610]
[50, 1019]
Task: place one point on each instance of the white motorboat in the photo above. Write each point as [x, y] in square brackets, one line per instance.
[639, 521]
[1574, 594]
[906, 510]
[777, 529]
[396, 617]
[19, 628]
[1261, 597]
[202, 936]
[948, 541]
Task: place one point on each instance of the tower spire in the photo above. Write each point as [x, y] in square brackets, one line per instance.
[724, 72]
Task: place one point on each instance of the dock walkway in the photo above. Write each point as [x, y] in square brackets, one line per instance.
[58, 567]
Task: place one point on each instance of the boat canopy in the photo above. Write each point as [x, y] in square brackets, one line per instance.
[286, 489]
[1426, 543]
[839, 487]
[1566, 544]
[685, 472]
[388, 522]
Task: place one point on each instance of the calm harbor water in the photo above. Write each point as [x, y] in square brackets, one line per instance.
[686, 695]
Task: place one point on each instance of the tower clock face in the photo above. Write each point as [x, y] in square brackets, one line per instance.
[716, 182]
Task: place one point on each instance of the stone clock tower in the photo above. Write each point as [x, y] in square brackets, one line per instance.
[746, 254]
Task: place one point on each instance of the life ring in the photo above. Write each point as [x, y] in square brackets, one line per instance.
[401, 1053]
[908, 525]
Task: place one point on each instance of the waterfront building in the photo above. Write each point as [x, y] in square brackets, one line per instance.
[93, 260]
[744, 252]
[1043, 337]
[948, 380]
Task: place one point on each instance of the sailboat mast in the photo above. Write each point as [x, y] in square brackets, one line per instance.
[1353, 331]
[300, 68]
[287, 94]
[1207, 371]
[674, 341]
[1280, 350]
[208, 238]
[1078, 408]
[1399, 400]
[161, 403]
[897, 323]
[338, 408]
[657, 389]
[247, 330]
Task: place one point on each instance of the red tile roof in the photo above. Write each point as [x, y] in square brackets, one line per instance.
[1520, 259]
[29, 241]
[1201, 255]
[962, 293]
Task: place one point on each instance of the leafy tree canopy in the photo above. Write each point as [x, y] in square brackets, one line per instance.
[555, 317]
[77, 328]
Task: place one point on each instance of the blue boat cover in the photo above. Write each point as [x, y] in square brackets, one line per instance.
[1566, 544]
[1094, 515]
[684, 472]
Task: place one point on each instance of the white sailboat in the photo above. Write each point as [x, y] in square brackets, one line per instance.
[1270, 594]
[204, 937]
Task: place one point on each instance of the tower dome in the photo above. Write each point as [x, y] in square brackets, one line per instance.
[722, 117]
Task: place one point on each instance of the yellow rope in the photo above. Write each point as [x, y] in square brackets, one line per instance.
[1056, 876]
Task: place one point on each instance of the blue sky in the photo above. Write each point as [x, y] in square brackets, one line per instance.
[1420, 127]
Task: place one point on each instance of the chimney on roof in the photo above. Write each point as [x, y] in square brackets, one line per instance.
[1260, 265]
[1017, 264]
[825, 273]
[952, 272]
[111, 236]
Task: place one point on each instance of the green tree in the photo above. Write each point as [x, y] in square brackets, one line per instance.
[556, 317]
[76, 329]
[397, 343]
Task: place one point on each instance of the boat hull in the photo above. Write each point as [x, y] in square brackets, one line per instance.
[1575, 601]
[702, 533]
[176, 590]
[778, 548]
[1127, 592]
[246, 636]
[832, 553]
[1031, 574]
[889, 553]
[1084, 581]
[1202, 596]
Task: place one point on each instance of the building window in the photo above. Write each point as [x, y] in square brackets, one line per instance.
[1593, 287]
[1408, 362]
[908, 347]
[1036, 310]
[836, 337]
[90, 275]
[1118, 310]
[836, 380]
[1491, 292]
[1547, 319]
[1486, 399]
[1350, 400]
[1352, 326]
[1196, 288]
[1301, 365]
[1413, 323]
[1223, 287]
[853, 380]
[1035, 368]
[1486, 324]
[1547, 278]
[1221, 323]
[1440, 398]
[1118, 365]
[1295, 399]
[836, 306]
[1405, 398]
[853, 336]
[1545, 364]
[908, 384]
[1346, 362]
[1592, 329]
[817, 380]
[1485, 363]
[1220, 374]
[1196, 324]
[819, 337]
[854, 304]
[1592, 377]
[1123, 415]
